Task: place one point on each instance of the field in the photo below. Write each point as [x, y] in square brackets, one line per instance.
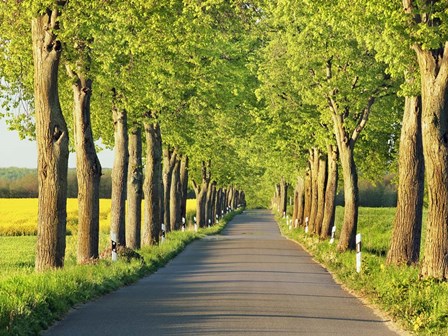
[18, 216]
[419, 306]
[30, 301]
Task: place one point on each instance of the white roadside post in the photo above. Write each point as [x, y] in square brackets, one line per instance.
[306, 224]
[358, 253]
[217, 218]
[195, 224]
[209, 222]
[288, 222]
[113, 238]
[163, 232]
[333, 231]
[284, 214]
[296, 223]
[183, 224]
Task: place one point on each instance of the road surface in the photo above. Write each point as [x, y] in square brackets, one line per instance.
[248, 280]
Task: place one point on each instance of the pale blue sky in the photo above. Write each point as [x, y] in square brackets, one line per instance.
[23, 153]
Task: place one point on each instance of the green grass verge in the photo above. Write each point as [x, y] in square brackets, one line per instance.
[418, 306]
[30, 302]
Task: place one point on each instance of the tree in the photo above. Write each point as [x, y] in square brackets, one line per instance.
[52, 139]
[120, 175]
[152, 185]
[427, 21]
[388, 37]
[134, 191]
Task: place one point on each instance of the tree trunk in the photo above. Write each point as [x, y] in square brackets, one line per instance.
[283, 197]
[135, 192]
[201, 195]
[406, 236]
[88, 171]
[321, 184]
[152, 187]
[330, 192]
[218, 202]
[300, 189]
[314, 160]
[347, 239]
[175, 199]
[169, 160]
[52, 144]
[307, 196]
[230, 195]
[434, 78]
[184, 185]
[119, 176]
[295, 206]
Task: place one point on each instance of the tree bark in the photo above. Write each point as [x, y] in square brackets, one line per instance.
[321, 184]
[135, 191]
[88, 171]
[201, 195]
[330, 192]
[406, 236]
[169, 160]
[119, 176]
[152, 186]
[434, 81]
[52, 144]
[283, 196]
[347, 238]
[307, 197]
[300, 190]
[314, 161]
[175, 199]
[184, 185]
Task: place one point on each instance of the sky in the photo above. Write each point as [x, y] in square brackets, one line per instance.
[23, 153]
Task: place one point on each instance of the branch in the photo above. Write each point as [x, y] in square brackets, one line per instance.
[355, 81]
[363, 119]
[195, 186]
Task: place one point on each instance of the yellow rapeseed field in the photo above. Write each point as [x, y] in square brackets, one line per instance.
[18, 217]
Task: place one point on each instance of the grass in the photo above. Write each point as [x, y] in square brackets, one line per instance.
[30, 302]
[418, 306]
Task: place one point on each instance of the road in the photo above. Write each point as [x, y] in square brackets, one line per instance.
[248, 280]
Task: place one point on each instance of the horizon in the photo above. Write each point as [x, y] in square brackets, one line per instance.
[11, 145]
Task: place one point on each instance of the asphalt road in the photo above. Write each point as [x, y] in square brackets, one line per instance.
[247, 281]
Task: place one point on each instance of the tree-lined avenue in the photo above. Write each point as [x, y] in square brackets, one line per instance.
[246, 281]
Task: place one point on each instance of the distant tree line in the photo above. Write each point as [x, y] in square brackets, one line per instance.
[22, 183]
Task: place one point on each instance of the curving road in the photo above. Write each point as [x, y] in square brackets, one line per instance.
[247, 281]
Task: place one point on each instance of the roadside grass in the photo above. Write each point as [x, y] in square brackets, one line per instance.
[31, 302]
[418, 306]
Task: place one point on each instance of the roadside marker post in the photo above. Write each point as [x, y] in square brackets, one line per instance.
[296, 223]
[289, 222]
[358, 253]
[209, 222]
[217, 218]
[284, 214]
[183, 224]
[333, 231]
[163, 232]
[113, 238]
[306, 224]
[195, 224]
